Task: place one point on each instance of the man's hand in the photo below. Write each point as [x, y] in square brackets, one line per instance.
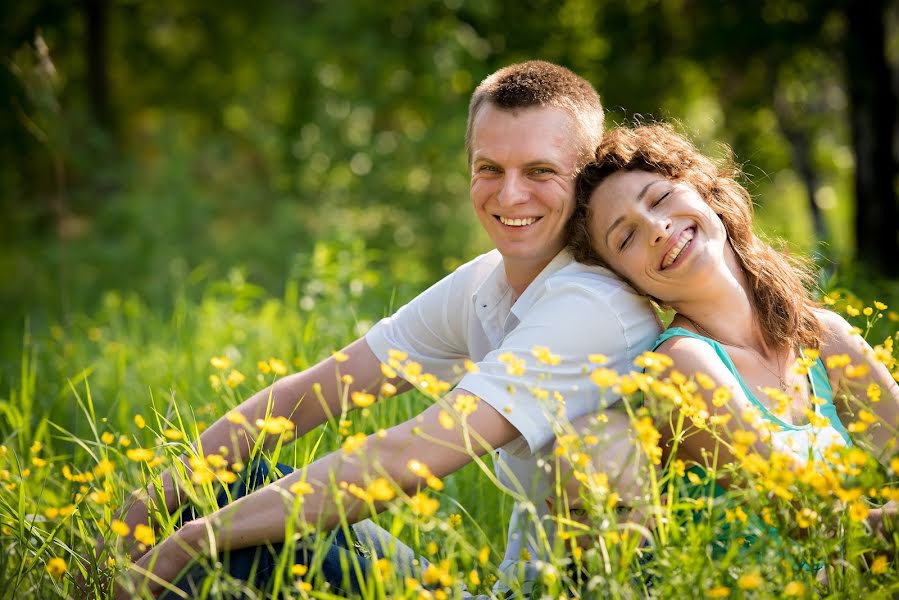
[156, 569]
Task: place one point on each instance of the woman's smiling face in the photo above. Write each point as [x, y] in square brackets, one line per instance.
[658, 234]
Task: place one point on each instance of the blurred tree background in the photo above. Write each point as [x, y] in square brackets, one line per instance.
[147, 147]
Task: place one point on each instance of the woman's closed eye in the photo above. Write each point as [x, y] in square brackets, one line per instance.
[661, 198]
[627, 240]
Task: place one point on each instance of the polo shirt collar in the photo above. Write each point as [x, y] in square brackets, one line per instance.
[495, 288]
[535, 289]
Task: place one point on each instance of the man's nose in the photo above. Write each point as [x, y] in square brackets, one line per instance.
[514, 190]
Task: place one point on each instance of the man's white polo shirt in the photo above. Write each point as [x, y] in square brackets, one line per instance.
[572, 309]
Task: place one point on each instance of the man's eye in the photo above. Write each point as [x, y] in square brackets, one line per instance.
[661, 198]
[542, 171]
[488, 169]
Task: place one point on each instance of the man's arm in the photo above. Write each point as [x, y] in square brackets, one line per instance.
[307, 398]
[260, 517]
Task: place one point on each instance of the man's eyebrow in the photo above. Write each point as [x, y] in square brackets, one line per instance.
[639, 198]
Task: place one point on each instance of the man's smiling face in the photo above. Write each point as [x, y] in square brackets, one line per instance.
[522, 180]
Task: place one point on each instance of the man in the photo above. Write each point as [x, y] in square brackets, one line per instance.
[531, 127]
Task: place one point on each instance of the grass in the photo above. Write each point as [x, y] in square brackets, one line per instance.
[87, 396]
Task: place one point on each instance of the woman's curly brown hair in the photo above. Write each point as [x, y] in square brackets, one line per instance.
[779, 283]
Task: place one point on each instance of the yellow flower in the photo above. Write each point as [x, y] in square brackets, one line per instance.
[455, 520]
[220, 362]
[837, 360]
[339, 356]
[470, 366]
[435, 483]
[275, 425]
[894, 465]
[852, 311]
[380, 490]
[543, 355]
[388, 389]
[806, 517]
[880, 305]
[235, 417]
[139, 421]
[362, 399]
[301, 488]
[873, 392]
[749, 581]
[720, 591]
[794, 589]
[397, 355]
[298, 570]
[857, 371]
[353, 443]
[173, 434]
[446, 420]
[235, 378]
[654, 361]
[423, 505]
[721, 396]
[140, 454]
[107, 438]
[100, 496]
[598, 359]
[879, 566]
[858, 511]
[119, 528]
[868, 311]
[465, 404]
[704, 381]
[473, 578]
[263, 367]
[483, 555]
[144, 534]
[38, 462]
[383, 567]
[56, 567]
[278, 366]
[604, 378]
[438, 574]
[419, 468]
[514, 366]
[649, 438]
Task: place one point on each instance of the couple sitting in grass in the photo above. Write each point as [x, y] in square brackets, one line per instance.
[516, 330]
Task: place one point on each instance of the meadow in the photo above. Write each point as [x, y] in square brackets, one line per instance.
[100, 407]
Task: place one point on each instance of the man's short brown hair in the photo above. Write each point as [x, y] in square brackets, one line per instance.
[538, 83]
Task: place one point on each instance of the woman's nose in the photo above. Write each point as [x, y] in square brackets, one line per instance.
[661, 229]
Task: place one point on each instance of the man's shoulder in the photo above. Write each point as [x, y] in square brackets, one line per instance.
[478, 269]
[595, 279]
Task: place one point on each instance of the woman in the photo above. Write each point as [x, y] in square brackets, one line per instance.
[678, 227]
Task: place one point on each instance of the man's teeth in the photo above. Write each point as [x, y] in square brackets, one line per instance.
[517, 222]
[682, 242]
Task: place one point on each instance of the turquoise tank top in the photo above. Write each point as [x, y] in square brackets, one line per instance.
[804, 441]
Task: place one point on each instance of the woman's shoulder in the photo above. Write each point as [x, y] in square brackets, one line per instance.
[837, 334]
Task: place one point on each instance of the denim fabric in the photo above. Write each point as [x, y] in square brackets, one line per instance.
[256, 565]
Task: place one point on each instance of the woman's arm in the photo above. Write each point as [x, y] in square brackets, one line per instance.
[260, 517]
[840, 339]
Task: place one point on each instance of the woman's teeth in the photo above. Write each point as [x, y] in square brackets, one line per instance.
[682, 242]
[517, 222]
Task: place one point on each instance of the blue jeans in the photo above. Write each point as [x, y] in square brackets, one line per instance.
[256, 565]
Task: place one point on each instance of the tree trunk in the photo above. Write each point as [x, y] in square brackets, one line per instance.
[872, 105]
[96, 19]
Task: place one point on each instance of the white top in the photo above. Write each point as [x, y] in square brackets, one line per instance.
[573, 309]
